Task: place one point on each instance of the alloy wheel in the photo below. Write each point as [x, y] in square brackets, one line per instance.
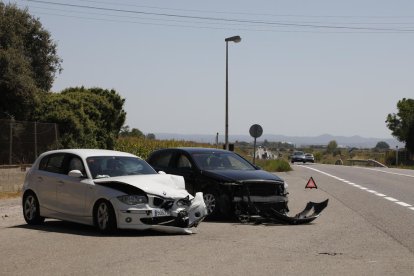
[210, 202]
[102, 216]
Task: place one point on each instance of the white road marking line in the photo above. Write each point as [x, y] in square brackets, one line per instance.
[391, 198]
[401, 203]
[400, 174]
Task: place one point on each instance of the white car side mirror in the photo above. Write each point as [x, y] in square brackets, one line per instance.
[161, 172]
[75, 173]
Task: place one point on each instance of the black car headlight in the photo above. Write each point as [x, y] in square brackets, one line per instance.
[133, 199]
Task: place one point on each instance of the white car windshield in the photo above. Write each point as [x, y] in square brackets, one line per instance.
[221, 161]
[110, 166]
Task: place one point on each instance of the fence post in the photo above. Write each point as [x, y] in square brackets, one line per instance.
[35, 138]
[11, 141]
[56, 136]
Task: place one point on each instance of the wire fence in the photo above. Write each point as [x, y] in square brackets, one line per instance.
[21, 142]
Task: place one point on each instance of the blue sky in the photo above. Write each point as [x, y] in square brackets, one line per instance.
[304, 80]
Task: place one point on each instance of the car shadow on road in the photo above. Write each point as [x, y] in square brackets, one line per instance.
[71, 228]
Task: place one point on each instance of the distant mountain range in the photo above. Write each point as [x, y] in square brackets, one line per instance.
[344, 141]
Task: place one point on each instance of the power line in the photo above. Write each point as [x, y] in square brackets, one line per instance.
[227, 19]
[252, 14]
[239, 24]
[213, 28]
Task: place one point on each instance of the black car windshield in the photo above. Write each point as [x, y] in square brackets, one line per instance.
[221, 161]
[110, 166]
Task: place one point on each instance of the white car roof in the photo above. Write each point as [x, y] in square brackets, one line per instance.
[84, 153]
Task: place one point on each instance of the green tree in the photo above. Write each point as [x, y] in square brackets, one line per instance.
[151, 136]
[89, 118]
[382, 145]
[126, 132]
[332, 146]
[28, 62]
[402, 123]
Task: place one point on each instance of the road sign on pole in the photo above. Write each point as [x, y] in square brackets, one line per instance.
[255, 131]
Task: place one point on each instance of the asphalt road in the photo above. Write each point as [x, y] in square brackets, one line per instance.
[360, 233]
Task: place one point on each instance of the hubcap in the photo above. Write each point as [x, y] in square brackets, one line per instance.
[210, 202]
[102, 216]
[30, 207]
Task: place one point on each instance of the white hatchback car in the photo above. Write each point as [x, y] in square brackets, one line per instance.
[108, 189]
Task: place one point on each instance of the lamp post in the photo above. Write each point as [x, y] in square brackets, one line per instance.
[235, 39]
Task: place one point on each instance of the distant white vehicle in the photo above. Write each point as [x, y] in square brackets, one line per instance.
[110, 190]
[309, 157]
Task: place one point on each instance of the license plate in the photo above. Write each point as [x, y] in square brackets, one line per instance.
[161, 213]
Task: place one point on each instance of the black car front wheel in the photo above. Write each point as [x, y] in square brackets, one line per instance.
[211, 200]
[217, 203]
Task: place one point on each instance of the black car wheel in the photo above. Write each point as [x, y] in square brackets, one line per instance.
[31, 212]
[104, 217]
[217, 203]
[211, 200]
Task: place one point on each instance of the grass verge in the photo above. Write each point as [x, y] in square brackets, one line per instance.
[278, 165]
[7, 195]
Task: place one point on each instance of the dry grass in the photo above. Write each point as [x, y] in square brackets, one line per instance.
[7, 195]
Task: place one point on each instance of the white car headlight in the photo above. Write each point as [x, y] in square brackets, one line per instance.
[133, 199]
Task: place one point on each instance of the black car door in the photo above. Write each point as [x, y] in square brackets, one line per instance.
[182, 165]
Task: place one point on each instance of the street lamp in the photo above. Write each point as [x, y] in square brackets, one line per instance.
[235, 39]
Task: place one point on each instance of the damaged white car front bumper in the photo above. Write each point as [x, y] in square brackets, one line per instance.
[171, 215]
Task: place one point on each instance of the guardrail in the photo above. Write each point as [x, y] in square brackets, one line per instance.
[365, 162]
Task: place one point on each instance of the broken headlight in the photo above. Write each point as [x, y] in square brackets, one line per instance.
[184, 201]
[133, 199]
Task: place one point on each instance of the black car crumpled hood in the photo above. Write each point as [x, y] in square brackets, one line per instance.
[239, 176]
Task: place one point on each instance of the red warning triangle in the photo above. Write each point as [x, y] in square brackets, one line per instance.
[311, 184]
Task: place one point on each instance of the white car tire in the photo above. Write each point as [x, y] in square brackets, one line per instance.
[104, 217]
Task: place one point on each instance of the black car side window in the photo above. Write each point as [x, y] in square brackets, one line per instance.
[162, 160]
[183, 162]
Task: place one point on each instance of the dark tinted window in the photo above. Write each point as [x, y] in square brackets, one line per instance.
[52, 163]
[183, 162]
[221, 161]
[161, 160]
[76, 163]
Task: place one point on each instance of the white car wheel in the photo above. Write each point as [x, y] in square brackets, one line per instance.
[31, 210]
[104, 217]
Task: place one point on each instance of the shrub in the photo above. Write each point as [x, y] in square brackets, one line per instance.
[278, 165]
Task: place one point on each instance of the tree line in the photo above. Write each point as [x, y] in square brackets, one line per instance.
[91, 117]
[29, 62]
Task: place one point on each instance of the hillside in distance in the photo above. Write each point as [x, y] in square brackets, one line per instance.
[298, 141]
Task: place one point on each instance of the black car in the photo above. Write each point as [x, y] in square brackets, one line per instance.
[298, 156]
[228, 181]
